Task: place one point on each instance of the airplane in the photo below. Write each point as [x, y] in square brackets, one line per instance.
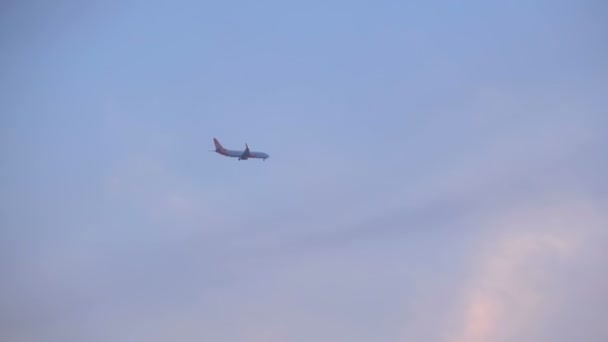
[242, 155]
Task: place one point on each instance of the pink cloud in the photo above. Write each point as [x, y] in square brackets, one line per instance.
[507, 298]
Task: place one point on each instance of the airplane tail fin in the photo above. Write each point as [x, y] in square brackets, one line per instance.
[218, 146]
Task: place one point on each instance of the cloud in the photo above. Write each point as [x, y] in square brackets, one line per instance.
[517, 289]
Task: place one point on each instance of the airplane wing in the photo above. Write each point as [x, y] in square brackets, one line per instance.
[246, 154]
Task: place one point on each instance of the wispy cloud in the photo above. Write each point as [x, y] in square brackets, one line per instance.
[515, 292]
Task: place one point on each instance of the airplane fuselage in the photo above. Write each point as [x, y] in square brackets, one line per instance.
[242, 155]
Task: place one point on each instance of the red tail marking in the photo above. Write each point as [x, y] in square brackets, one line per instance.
[218, 147]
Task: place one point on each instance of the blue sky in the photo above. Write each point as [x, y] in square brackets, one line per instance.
[437, 171]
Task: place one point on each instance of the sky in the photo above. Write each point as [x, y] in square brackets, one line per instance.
[437, 171]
